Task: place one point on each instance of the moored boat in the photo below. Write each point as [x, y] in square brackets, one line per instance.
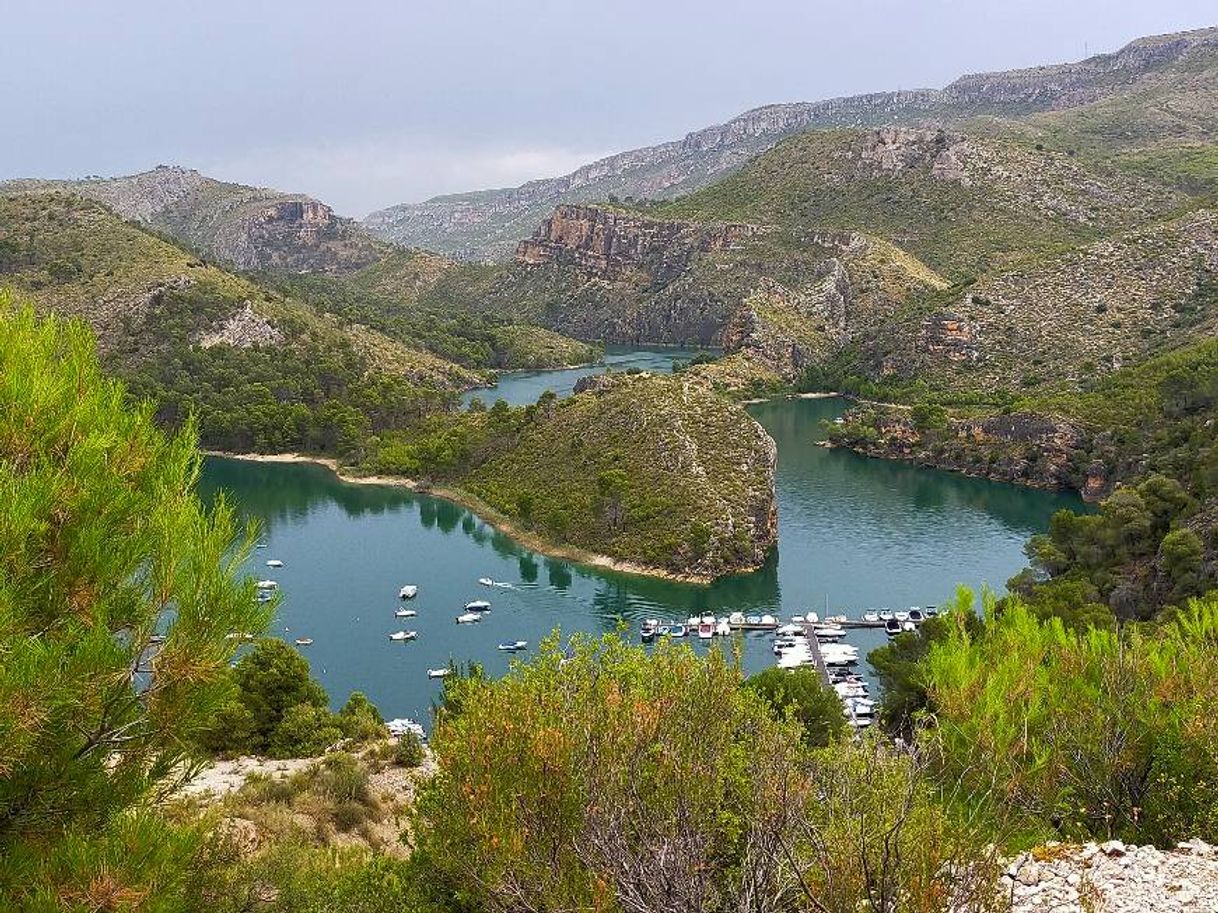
[410, 591]
[478, 605]
[274, 562]
[916, 616]
[892, 627]
[405, 613]
[267, 585]
[647, 630]
[723, 628]
[513, 646]
[469, 618]
[437, 673]
[871, 617]
[486, 581]
[706, 630]
[403, 635]
[304, 641]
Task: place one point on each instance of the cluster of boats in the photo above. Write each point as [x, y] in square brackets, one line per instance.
[472, 613]
[899, 622]
[795, 648]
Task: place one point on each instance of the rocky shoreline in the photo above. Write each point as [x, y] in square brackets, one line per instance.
[482, 510]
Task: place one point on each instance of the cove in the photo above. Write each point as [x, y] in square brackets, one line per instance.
[854, 532]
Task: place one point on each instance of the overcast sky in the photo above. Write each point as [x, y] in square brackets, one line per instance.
[365, 104]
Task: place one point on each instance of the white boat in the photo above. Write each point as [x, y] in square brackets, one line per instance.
[811, 618]
[706, 630]
[437, 673]
[916, 615]
[267, 585]
[850, 689]
[513, 646]
[829, 632]
[648, 629]
[410, 591]
[908, 626]
[672, 630]
[723, 628]
[769, 620]
[693, 621]
[486, 581]
[707, 620]
[264, 596]
[789, 630]
[403, 635]
[478, 605]
[468, 618]
[274, 562]
[304, 641]
[403, 725]
[835, 619]
[901, 616]
[871, 617]
[405, 613]
[736, 618]
[885, 614]
[797, 619]
[892, 627]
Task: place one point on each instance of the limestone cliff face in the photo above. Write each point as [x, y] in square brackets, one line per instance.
[780, 301]
[250, 228]
[606, 244]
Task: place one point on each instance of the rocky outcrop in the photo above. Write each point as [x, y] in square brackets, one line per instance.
[243, 330]
[250, 228]
[1113, 877]
[485, 224]
[606, 244]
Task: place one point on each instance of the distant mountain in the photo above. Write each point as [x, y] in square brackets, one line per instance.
[250, 228]
[487, 224]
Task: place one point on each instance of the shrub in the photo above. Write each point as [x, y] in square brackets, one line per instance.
[800, 692]
[408, 750]
[304, 731]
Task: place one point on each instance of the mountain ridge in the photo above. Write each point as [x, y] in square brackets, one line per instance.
[486, 223]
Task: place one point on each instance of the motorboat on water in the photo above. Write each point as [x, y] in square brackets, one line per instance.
[264, 596]
[267, 585]
[851, 689]
[410, 591]
[486, 581]
[304, 641]
[885, 614]
[672, 630]
[835, 619]
[478, 605]
[437, 673]
[790, 630]
[871, 617]
[916, 615]
[403, 635]
[274, 562]
[736, 618]
[469, 618]
[908, 625]
[648, 629]
[829, 632]
[769, 620]
[405, 613]
[901, 616]
[723, 628]
[513, 646]
[706, 629]
[798, 620]
[930, 611]
[892, 627]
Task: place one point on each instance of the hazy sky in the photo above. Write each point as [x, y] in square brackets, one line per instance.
[365, 104]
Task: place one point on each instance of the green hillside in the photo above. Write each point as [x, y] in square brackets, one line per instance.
[261, 370]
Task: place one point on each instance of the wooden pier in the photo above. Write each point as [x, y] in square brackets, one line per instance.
[814, 647]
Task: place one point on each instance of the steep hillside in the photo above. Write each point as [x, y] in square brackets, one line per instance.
[961, 203]
[424, 300]
[488, 223]
[261, 370]
[658, 473]
[250, 228]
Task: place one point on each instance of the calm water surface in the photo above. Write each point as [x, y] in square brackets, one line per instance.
[853, 531]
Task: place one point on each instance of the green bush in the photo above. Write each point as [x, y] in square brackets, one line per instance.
[408, 750]
[800, 692]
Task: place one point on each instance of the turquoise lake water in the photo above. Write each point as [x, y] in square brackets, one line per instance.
[854, 531]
